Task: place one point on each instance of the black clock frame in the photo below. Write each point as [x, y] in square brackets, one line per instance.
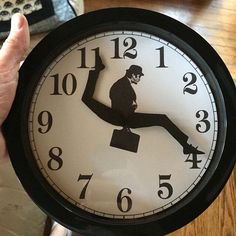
[34, 66]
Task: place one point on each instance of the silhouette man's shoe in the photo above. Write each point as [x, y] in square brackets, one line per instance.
[190, 149]
[98, 63]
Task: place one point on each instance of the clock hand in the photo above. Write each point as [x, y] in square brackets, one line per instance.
[140, 120]
[102, 111]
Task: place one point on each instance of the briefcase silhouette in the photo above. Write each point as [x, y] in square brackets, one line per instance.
[125, 139]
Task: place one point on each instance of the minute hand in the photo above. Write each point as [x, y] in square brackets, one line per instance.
[140, 120]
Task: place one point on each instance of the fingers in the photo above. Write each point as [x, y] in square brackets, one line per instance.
[15, 46]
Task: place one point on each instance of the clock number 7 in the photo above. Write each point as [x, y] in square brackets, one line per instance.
[87, 178]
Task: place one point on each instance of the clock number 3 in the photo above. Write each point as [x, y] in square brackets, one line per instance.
[203, 115]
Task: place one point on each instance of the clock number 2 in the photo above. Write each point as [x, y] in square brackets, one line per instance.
[191, 79]
[121, 200]
[163, 184]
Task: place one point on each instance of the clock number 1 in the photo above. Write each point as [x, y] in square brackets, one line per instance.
[161, 58]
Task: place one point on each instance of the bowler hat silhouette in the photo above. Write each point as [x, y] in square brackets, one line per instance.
[134, 69]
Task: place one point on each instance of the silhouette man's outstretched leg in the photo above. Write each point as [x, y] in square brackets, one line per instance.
[140, 120]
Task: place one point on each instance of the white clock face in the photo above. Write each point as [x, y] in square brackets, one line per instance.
[149, 86]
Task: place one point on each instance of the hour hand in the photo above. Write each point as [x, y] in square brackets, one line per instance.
[99, 66]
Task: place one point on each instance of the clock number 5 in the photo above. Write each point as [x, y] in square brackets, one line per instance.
[121, 200]
[87, 178]
[167, 193]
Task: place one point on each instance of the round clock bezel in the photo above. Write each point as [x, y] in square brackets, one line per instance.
[62, 38]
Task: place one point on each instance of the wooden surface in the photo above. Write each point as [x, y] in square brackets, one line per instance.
[215, 20]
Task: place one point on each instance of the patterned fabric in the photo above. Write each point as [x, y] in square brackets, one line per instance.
[10, 7]
[42, 15]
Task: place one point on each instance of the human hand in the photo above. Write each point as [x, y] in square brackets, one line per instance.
[11, 54]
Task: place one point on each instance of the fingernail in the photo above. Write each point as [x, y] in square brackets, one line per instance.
[17, 21]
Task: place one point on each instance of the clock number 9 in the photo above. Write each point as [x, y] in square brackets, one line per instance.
[130, 52]
[55, 162]
[121, 199]
[45, 120]
[164, 185]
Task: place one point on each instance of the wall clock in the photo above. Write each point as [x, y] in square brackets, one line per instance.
[123, 124]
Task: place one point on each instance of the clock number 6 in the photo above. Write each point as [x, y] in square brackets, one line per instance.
[165, 185]
[121, 199]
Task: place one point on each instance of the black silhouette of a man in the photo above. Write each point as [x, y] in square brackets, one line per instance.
[123, 105]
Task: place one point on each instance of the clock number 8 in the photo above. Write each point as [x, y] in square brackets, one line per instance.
[55, 162]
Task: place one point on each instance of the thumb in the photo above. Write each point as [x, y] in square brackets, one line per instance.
[11, 54]
[16, 45]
